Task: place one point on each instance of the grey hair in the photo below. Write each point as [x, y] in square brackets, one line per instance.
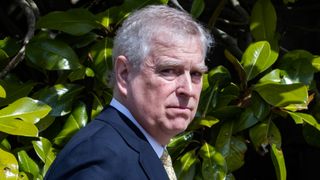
[134, 38]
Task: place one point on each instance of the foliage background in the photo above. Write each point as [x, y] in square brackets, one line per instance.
[260, 108]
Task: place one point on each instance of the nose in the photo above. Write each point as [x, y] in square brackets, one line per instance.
[184, 85]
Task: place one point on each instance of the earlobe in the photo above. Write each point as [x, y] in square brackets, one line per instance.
[121, 74]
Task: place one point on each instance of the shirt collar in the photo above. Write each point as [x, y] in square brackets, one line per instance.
[155, 145]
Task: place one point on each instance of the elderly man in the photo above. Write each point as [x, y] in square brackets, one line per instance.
[158, 58]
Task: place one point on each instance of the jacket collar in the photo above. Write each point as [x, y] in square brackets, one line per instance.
[149, 160]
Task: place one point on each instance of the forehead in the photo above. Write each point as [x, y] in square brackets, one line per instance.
[175, 50]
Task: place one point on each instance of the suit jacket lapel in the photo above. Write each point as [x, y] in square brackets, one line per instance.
[149, 160]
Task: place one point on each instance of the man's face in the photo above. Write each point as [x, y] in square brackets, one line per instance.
[163, 95]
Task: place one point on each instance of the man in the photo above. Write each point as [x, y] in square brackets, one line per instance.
[158, 58]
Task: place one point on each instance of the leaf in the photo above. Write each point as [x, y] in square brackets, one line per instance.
[116, 14]
[101, 53]
[233, 149]
[200, 122]
[219, 76]
[255, 112]
[52, 55]
[316, 63]
[257, 58]
[26, 109]
[9, 168]
[278, 162]
[264, 134]
[45, 152]
[300, 118]
[76, 120]
[281, 95]
[81, 73]
[15, 90]
[238, 67]
[97, 107]
[51, 155]
[213, 165]
[263, 20]
[74, 21]
[185, 166]
[2, 92]
[178, 144]
[197, 8]
[27, 164]
[276, 76]
[10, 45]
[18, 127]
[60, 97]
[5, 145]
[298, 66]
[42, 147]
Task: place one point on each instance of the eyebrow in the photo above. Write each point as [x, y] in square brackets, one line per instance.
[173, 63]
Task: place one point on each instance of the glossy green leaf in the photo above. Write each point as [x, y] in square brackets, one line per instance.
[52, 55]
[232, 148]
[101, 54]
[300, 118]
[18, 127]
[2, 92]
[200, 122]
[227, 112]
[60, 97]
[45, 122]
[9, 169]
[4, 59]
[257, 58]
[228, 95]
[219, 76]
[281, 95]
[276, 76]
[3, 55]
[76, 120]
[185, 166]
[97, 107]
[237, 66]
[252, 114]
[10, 45]
[179, 143]
[5, 145]
[116, 14]
[298, 66]
[214, 165]
[24, 176]
[42, 147]
[80, 73]
[26, 109]
[197, 8]
[264, 134]
[15, 90]
[27, 164]
[263, 20]
[51, 155]
[74, 21]
[278, 162]
[316, 63]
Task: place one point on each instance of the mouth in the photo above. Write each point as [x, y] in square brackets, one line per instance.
[180, 108]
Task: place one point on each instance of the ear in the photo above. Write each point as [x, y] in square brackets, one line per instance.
[121, 74]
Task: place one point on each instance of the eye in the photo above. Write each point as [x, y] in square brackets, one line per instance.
[196, 76]
[169, 73]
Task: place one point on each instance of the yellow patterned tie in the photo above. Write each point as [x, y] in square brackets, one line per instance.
[167, 164]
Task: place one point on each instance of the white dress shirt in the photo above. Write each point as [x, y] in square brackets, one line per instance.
[158, 148]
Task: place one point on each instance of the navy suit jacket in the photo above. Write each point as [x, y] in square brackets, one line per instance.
[109, 147]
